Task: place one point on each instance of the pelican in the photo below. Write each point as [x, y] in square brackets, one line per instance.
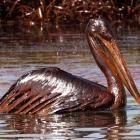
[52, 90]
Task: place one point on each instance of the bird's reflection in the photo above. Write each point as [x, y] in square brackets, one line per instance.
[63, 124]
[90, 125]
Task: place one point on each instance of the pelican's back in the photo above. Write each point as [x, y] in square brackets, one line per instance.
[50, 90]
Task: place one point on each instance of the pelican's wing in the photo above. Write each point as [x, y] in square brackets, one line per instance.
[51, 90]
[32, 92]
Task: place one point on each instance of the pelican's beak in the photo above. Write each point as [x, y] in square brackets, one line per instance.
[103, 45]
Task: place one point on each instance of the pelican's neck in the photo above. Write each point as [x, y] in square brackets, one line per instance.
[115, 87]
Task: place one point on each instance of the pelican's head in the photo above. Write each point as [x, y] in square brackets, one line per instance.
[100, 27]
[104, 47]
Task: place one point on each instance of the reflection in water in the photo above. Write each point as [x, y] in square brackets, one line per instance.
[106, 125]
[68, 125]
[24, 49]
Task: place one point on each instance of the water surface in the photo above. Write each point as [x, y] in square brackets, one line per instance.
[23, 49]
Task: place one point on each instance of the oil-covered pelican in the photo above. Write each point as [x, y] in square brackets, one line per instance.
[51, 90]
